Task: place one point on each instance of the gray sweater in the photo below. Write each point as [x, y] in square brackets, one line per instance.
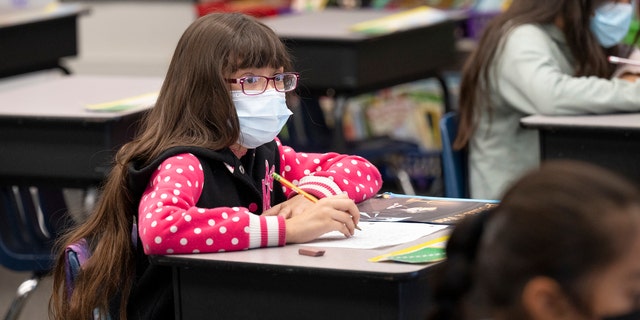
[533, 74]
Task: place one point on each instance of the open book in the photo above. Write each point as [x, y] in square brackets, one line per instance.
[396, 207]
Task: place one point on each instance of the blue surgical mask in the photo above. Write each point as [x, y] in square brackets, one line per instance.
[261, 116]
[611, 22]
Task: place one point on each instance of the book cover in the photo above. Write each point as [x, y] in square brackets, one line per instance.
[394, 207]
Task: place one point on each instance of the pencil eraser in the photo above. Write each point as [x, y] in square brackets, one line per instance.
[312, 252]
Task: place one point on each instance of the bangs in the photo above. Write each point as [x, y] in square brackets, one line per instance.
[258, 48]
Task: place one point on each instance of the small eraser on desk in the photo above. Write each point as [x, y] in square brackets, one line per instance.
[313, 252]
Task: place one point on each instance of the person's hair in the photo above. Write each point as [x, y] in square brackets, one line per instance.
[590, 58]
[194, 108]
[567, 221]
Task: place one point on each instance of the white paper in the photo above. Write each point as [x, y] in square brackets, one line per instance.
[377, 235]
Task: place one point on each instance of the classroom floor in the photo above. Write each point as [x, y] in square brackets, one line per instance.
[37, 302]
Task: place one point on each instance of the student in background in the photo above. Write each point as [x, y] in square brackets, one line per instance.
[197, 178]
[538, 57]
[564, 243]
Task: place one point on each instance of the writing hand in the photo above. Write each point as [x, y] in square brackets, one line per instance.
[290, 208]
[336, 213]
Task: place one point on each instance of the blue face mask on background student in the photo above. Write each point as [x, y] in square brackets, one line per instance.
[261, 116]
[611, 22]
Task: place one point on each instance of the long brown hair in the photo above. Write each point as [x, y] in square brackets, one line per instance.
[194, 108]
[590, 59]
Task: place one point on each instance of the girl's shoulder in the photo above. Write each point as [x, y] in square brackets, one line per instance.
[529, 29]
[186, 158]
[537, 37]
[535, 32]
[139, 174]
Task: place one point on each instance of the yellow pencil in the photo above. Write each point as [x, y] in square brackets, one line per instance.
[295, 188]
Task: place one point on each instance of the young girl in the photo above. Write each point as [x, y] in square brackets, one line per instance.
[538, 57]
[198, 177]
[564, 243]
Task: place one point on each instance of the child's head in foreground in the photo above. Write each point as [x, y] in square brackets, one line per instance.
[562, 244]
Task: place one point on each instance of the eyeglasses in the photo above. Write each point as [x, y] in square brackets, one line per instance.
[255, 85]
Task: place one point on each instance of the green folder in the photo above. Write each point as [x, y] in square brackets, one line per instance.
[424, 255]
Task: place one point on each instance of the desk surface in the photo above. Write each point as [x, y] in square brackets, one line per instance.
[48, 137]
[331, 24]
[67, 97]
[605, 121]
[278, 283]
[39, 38]
[32, 15]
[332, 60]
[334, 261]
[330, 56]
[608, 140]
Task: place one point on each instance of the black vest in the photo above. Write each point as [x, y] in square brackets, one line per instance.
[229, 182]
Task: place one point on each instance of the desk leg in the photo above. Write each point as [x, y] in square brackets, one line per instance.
[64, 69]
[339, 143]
[446, 94]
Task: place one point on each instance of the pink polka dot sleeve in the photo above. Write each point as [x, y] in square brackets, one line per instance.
[170, 223]
[330, 173]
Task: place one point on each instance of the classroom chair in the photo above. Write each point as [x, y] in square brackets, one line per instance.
[454, 162]
[29, 221]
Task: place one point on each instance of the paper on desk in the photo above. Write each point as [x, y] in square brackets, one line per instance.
[377, 235]
[144, 100]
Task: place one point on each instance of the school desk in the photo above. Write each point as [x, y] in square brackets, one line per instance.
[48, 137]
[37, 39]
[611, 140]
[332, 60]
[278, 283]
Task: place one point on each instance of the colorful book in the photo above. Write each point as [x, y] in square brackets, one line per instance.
[407, 208]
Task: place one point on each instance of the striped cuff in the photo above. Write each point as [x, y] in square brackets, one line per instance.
[267, 231]
[321, 187]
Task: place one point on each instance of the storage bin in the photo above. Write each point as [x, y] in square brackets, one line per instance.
[253, 8]
[477, 21]
[12, 5]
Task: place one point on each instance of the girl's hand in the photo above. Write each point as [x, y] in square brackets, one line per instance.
[290, 208]
[336, 213]
[631, 77]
